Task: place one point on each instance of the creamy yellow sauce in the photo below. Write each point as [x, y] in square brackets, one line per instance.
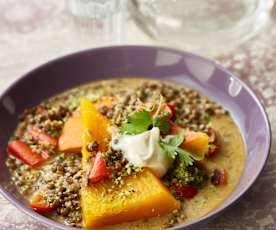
[231, 157]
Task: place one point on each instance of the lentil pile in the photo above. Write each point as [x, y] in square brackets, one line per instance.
[63, 185]
[191, 109]
[60, 178]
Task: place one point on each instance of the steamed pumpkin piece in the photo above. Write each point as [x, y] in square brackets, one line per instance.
[71, 136]
[70, 139]
[95, 128]
[195, 142]
[141, 196]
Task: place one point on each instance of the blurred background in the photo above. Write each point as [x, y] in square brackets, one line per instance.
[35, 31]
[239, 34]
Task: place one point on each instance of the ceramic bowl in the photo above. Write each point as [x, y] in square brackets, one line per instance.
[180, 67]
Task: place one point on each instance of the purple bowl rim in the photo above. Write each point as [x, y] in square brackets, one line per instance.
[49, 222]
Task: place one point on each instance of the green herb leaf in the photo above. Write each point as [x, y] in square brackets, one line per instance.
[185, 157]
[170, 145]
[197, 157]
[163, 123]
[138, 122]
[169, 150]
[174, 140]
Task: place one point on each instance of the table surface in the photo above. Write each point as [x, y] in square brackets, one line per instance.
[38, 30]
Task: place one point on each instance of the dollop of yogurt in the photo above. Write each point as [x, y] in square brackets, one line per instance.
[142, 150]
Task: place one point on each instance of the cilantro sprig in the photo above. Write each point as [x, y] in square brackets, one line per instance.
[141, 121]
[170, 145]
[138, 122]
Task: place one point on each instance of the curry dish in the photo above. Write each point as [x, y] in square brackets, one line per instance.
[126, 154]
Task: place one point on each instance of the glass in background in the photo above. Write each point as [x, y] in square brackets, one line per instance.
[101, 21]
[208, 27]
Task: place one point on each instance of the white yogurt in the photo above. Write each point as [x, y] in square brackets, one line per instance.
[142, 150]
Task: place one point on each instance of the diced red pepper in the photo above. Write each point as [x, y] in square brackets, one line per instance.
[212, 150]
[22, 151]
[175, 129]
[170, 108]
[187, 192]
[41, 136]
[219, 177]
[213, 147]
[99, 170]
[39, 204]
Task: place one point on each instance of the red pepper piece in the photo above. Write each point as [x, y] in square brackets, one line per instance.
[175, 129]
[170, 108]
[212, 151]
[41, 136]
[22, 151]
[213, 147]
[219, 177]
[99, 170]
[39, 204]
[187, 192]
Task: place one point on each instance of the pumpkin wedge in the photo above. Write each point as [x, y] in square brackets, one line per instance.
[196, 142]
[141, 196]
[70, 139]
[95, 128]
